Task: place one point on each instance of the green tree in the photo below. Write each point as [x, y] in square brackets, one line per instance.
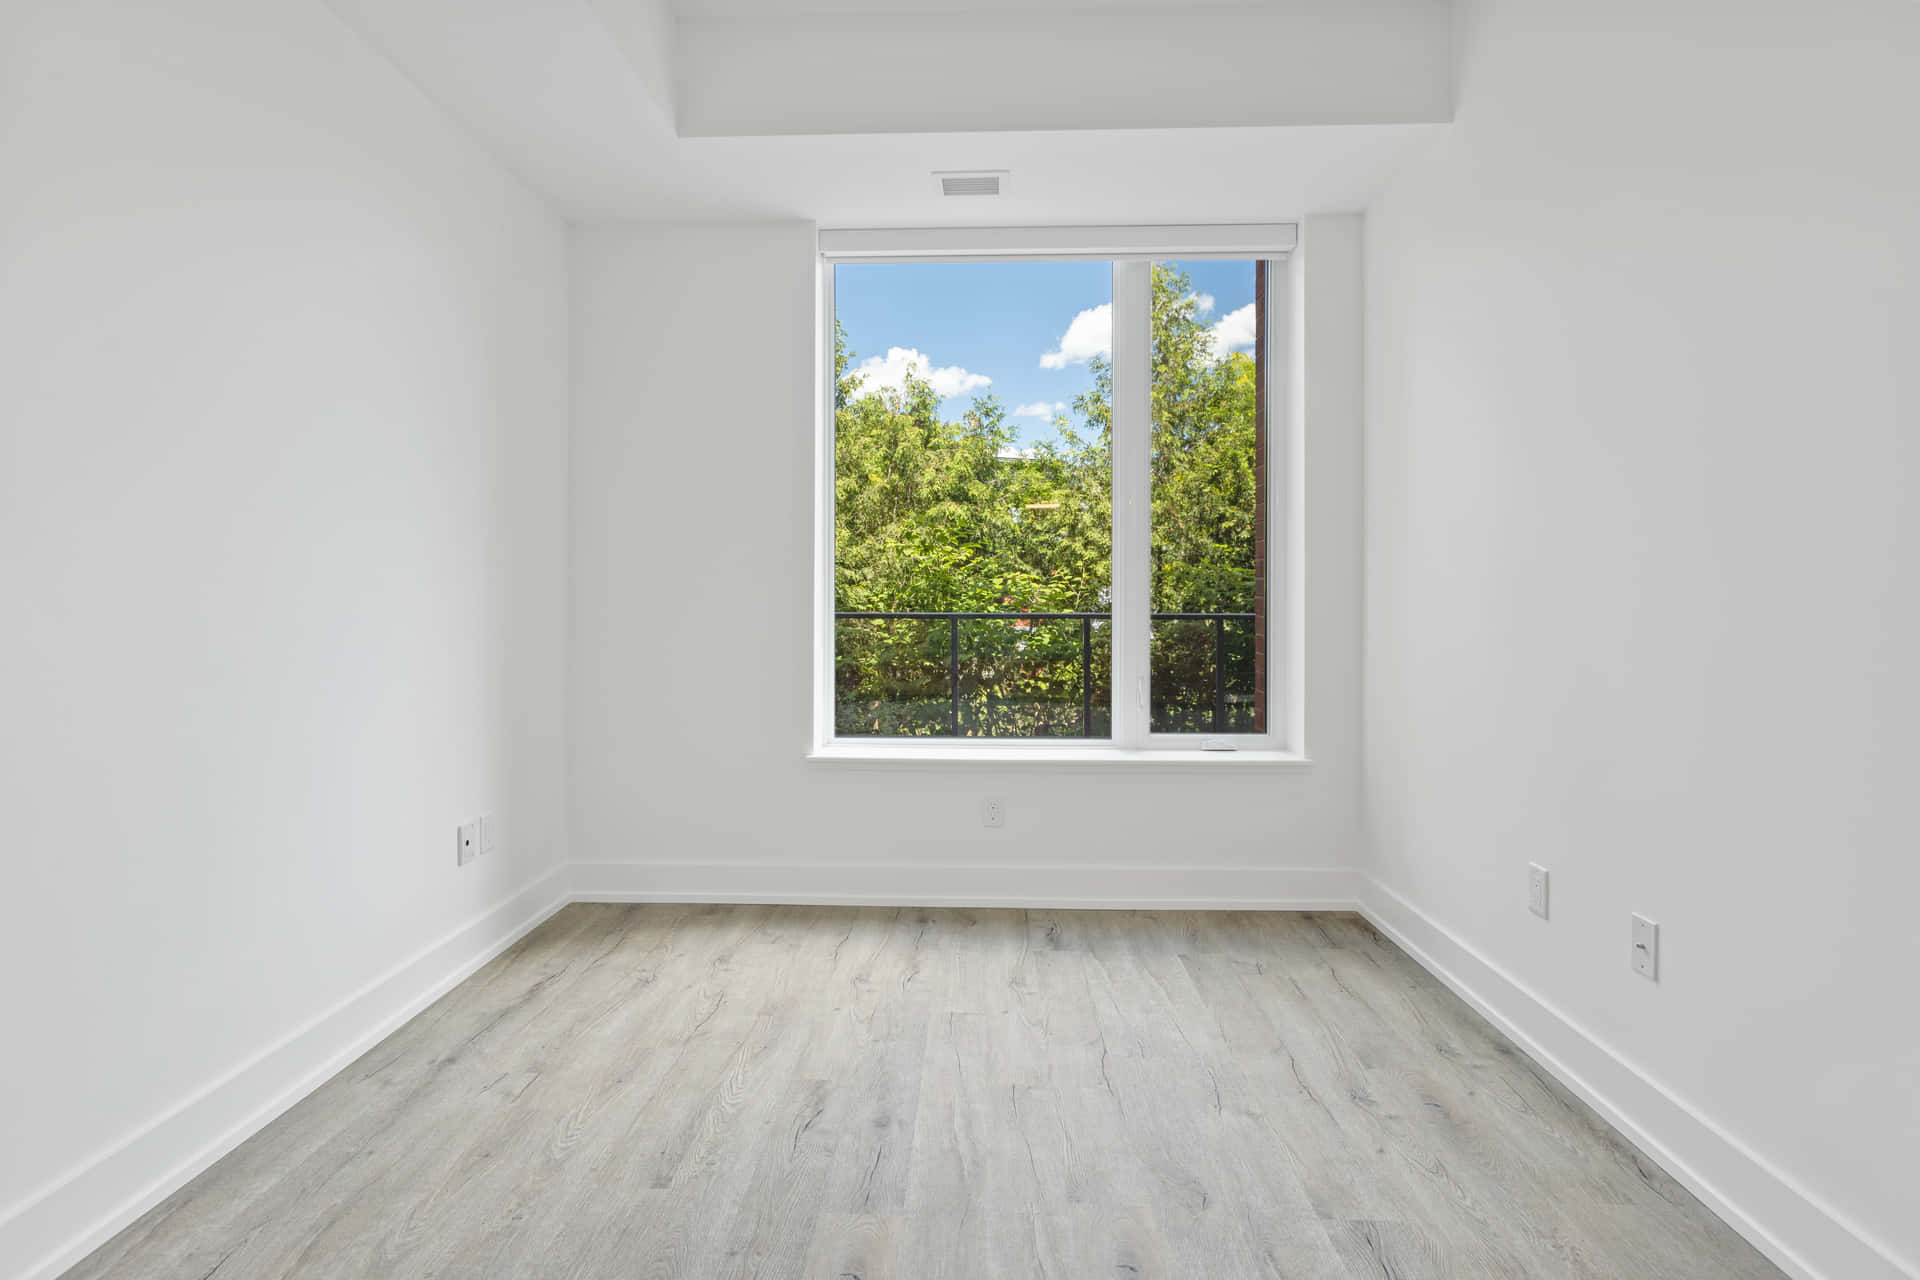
[939, 516]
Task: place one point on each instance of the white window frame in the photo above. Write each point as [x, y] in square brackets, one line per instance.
[1132, 250]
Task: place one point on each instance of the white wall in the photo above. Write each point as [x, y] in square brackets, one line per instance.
[1643, 434]
[692, 617]
[282, 484]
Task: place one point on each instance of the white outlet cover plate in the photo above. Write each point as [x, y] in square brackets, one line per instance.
[489, 833]
[468, 847]
[1646, 948]
[993, 813]
[1537, 889]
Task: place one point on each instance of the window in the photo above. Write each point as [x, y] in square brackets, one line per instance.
[1049, 514]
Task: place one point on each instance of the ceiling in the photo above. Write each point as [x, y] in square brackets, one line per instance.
[791, 8]
[577, 96]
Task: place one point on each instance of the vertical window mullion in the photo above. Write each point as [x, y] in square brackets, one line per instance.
[1132, 498]
[825, 632]
[1285, 502]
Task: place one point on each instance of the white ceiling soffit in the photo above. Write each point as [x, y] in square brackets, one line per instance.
[571, 94]
[1054, 65]
[1202, 240]
[697, 9]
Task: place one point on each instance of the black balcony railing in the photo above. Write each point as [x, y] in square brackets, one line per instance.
[1176, 709]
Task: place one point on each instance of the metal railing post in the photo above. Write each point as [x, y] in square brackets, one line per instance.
[953, 670]
[1219, 675]
[1086, 677]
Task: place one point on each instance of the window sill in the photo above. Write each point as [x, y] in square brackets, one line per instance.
[902, 755]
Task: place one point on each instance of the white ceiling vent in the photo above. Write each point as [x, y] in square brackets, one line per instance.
[976, 182]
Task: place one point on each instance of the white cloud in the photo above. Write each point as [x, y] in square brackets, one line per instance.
[1090, 335]
[1041, 409]
[1010, 453]
[1234, 331]
[889, 373]
[1202, 302]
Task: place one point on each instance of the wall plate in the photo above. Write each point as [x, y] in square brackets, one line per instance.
[1646, 948]
[467, 847]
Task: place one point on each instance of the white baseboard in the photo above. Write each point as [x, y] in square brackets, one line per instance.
[1802, 1234]
[971, 885]
[53, 1229]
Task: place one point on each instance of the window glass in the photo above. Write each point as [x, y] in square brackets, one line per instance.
[1207, 662]
[972, 500]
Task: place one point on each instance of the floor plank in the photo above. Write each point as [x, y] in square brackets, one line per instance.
[734, 1092]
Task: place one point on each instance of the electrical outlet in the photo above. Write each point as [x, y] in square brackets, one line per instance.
[489, 833]
[469, 846]
[1537, 889]
[993, 813]
[1646, 948]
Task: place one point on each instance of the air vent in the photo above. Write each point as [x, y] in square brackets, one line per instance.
[986, 182]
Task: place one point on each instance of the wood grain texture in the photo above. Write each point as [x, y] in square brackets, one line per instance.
[733, 1092]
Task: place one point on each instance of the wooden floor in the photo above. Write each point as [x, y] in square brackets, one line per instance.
[841, 1093]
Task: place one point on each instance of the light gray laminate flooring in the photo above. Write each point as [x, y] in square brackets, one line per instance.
[841, 1093]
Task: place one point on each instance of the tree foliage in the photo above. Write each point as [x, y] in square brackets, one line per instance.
[939, 516]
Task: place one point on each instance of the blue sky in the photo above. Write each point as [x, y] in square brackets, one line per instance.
[1022, 331]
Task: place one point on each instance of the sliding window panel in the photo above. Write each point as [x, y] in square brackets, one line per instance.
[1207, 544]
